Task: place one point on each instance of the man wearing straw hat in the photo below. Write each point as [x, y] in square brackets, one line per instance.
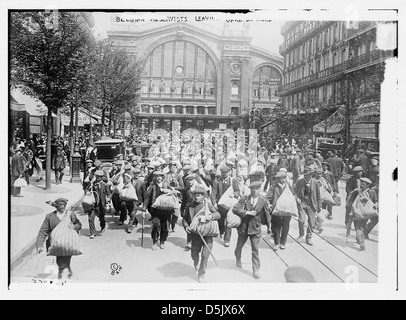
[198, 245]
[251, 209]
[50, 222]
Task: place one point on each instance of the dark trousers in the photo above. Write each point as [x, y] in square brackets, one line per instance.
[329, 208]
[197, 247]
[124, 210]
[116, 201]
[254, 238]
[360, 226]
[160, 225]
[58, 175]
[97, 211]
[306, 212]
[222, 224]
[371, 224]
[174, 220]
[130, 207]
[280, 229]
[267, 182]
[63, 263]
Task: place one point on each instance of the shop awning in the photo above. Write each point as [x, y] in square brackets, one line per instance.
[333, 124]
[368, 112]
[26, 103]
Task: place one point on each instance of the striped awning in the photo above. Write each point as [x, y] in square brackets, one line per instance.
[333, 124]
[369, 112]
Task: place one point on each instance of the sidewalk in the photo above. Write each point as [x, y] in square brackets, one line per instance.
[28, 212]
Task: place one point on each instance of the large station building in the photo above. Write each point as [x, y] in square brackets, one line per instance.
[198, 74]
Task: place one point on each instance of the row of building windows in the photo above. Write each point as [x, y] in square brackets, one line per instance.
[201, 110]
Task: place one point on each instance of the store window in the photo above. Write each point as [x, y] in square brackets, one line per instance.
[235, 111]
[200, 110]
[189, 110]
[179, 109]
[212, 110]
[167, 109]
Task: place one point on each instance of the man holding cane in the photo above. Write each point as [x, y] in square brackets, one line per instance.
[199, 243]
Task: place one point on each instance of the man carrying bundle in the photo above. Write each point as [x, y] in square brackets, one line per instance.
[200, 203]
[51, 221]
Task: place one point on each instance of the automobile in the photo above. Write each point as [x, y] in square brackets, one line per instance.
[108, 149]
[325, 144]
[369, 144]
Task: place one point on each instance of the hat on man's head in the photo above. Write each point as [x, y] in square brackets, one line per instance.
[187, 167]
[99, 173]
[283, 170]
[190, 176]
[366, 180]
[18, 149]
[307, 170]
[199, 190]
[150, 166]
[59, 148]
[361, 151]
[61, 200]
[326, 163]
[281, 174]
[97, 163]
[329, 152]
[318, 171]
[173, 163]
[89, 161]
[357, 169]
[137, 170]
[127, 166]
[159, 173]
[375, 157]
[119, 162]
[119, 155]
[225, 169]
[256, 184]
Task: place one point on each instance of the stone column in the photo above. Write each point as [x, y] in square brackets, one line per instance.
[245, 85]
[151, 110]
[225, 86]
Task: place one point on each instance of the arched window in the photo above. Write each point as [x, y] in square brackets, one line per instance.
[265, 83]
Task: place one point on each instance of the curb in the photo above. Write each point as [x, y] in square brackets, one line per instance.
[27, 250]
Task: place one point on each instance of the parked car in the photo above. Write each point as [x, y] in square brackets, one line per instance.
[327, 144]
[369, 144]
[108, 149]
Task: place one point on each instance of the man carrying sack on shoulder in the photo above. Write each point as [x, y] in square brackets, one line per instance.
[251, 209]
[200, 204]
[64, 253]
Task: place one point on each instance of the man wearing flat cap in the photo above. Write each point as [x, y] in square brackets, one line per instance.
[220, 186]
[88, 174]
[198, 204]
[191, 184]
[280, 223]
[364, 193]
[104, 196]
[252, 210]
[175, 181]
[50, 222]
[307, 193]
[160, 218]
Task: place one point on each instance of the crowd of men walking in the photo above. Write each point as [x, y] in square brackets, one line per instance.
[132, 184]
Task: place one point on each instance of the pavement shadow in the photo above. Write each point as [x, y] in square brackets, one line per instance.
[137, 243]
[227, 264]
[178, 270]
[341, 242]
[177, 241]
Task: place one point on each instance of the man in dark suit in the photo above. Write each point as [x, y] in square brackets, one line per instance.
[17, 171]
[308, 196]
[159, 217]
[353, 183]
[363, 159]
[280, 224]
[336, 165]
[220, 186]
[295, 167]
[250, 209]
[175, 180]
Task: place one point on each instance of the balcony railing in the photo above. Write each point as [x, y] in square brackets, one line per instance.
[359, 61]
[362, 25]
[367, 58]
[177, 96]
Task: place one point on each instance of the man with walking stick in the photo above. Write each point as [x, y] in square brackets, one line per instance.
[200, 244]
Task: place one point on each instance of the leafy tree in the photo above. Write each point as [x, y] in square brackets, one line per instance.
[117, 75]
[45, 59]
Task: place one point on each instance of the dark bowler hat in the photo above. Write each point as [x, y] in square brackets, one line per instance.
[255, 184]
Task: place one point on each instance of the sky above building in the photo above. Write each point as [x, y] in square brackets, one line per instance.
[265, 33]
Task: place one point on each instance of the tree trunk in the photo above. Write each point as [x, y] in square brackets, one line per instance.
[103, 120]
[110, 122]
[48, 160]
[70, 139]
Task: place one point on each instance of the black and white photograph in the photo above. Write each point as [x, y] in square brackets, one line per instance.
[193, 149]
